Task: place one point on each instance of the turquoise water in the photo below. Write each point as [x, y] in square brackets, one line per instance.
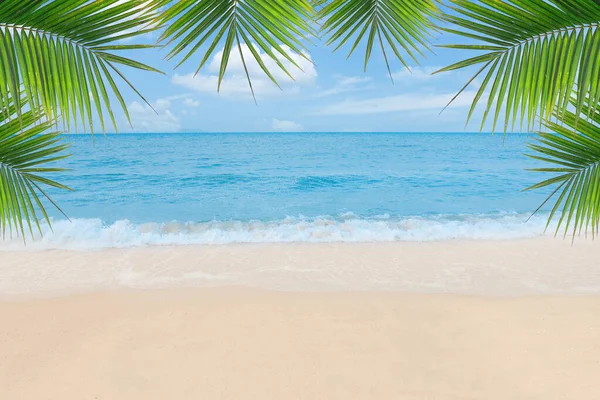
[252, 187]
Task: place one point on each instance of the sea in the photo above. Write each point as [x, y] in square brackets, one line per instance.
[152, 189]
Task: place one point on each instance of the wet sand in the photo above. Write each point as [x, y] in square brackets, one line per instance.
[488, 268]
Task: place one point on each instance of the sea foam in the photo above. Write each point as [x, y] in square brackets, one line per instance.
[87, 234]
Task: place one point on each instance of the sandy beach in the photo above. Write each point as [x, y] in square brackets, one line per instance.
[452, 320]
[245, 344]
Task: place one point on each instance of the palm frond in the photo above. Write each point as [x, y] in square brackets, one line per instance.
[533, 55]
[573, 150]
[274, 27]
[27, 151]
[402, 25]
[63, 55]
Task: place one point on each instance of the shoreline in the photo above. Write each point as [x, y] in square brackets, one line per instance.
[233, 343]
[86, 233]
[501, 268]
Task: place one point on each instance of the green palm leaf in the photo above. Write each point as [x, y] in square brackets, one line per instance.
[403, 25]
[274, 26]
[63, 55]
[573, 150]
[533, 55]
[27, 151]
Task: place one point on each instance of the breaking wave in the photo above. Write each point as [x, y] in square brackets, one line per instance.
[87, 234]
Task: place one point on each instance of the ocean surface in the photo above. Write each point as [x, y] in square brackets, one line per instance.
[166, 189]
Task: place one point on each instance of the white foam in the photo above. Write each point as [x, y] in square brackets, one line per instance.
[82, 234]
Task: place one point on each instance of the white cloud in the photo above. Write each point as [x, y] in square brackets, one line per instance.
[234, 85]
[404, 102]
[307, 74]
[144, 119]
[285, 126]
[346, 84]
[417, 74]
[191, 102]
[235, 82]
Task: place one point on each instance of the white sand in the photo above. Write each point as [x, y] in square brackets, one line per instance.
[243, 344]
[238, 343]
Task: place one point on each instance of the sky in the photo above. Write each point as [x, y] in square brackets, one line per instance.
[331, 94]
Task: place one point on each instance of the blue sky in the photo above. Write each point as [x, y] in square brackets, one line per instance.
[331, 95]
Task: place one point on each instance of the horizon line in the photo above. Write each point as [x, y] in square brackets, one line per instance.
[293, 132]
